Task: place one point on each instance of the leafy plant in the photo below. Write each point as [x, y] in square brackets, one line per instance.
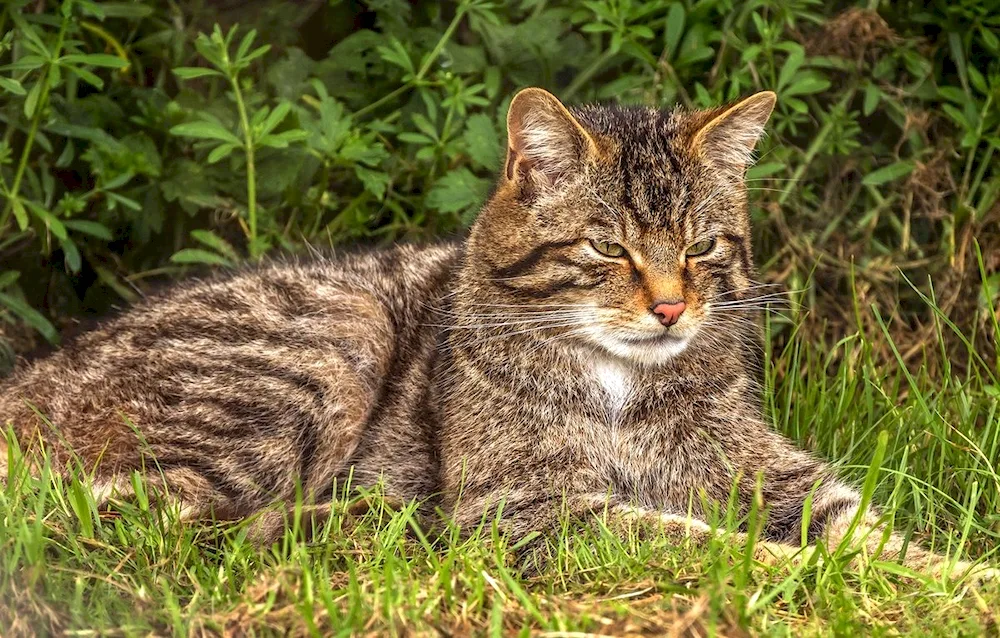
[256, 131]
[140, 139]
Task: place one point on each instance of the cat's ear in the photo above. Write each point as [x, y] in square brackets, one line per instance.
[728, 139]
[544, 140]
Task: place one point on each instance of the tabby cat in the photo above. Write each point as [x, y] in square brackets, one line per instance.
[592, 347]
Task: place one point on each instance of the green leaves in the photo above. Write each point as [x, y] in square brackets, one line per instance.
[395, 53]
[674, 29]
[459, 191]
[796, 56]
[482, 142]
[87, 227]
[256, 131]
[206, 130]
[219, 253]
[25, 312]
[888, 173]
[265, 122]
[217, 50]
[12, 86]
[126, 131]
[93, 59]
[193, 73]
[33, 98]
[199, 256]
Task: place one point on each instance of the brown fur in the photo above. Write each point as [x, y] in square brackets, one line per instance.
[521, 367]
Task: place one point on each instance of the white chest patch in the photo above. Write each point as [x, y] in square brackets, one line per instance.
[614, 380]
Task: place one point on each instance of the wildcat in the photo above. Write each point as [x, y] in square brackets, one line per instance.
[591, 347]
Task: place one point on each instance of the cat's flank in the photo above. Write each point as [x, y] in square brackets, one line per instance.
[592, 345]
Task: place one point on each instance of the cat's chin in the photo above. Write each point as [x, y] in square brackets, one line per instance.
[645, 351]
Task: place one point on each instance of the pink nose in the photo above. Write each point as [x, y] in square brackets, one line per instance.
[668, 312]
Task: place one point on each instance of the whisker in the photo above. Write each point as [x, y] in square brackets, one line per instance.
[476, 306]
[505, 314]
[767, 308]
[489, 326]
[569, 333]
[737, 290]
[507, 335]
[780, 294]
[757, 301]
[764, 188]
[771, 311]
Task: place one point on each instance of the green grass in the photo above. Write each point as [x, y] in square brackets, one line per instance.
[65, 567]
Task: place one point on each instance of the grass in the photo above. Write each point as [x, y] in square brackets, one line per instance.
[67, 568]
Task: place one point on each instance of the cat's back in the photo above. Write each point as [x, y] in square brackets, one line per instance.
[275, 300]
[273, 354]
[294, 289]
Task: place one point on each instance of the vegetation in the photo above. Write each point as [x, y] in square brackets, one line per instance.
[927, 448]
[140, 140]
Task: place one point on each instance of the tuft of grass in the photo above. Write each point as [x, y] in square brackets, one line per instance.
[925, 447]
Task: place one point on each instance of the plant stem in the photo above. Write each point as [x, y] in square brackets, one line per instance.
[35, 122]
[585, 75]
[382, 100]
[814, 148]
[445, 37]
[681, 91]
[422, 71]
[963, 192]
[251, 169]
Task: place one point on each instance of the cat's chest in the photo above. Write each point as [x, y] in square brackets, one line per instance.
[616, 394]
[613, 385]
[639, 437]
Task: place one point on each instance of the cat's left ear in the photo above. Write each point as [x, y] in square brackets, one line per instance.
[729, 138]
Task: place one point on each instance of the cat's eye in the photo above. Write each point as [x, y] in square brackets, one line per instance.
[701, 248]
[608, 249]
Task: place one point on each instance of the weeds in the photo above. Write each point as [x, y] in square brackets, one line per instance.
[135, 145]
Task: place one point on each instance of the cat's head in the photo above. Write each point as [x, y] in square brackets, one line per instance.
[621, 227]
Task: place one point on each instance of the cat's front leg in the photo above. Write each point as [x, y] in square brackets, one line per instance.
[520, 514]
[862, 531]
[838, 521]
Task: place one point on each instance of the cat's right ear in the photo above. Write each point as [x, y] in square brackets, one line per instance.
[545, 143]
[729, 138]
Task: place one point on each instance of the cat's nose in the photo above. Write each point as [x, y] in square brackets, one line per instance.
[668, 312]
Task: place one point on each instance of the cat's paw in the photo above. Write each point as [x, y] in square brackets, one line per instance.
[979, 574]
[782, 554]
[975, 574]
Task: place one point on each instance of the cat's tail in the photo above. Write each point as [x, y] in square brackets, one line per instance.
[6, 434]
[13, 440]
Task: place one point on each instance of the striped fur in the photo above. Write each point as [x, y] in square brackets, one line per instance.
[521, 366]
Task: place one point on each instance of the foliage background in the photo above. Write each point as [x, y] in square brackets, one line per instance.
[137, 143]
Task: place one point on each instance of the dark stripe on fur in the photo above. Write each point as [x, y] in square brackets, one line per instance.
[529, 261]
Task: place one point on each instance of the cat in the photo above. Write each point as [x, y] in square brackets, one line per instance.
[590, 349]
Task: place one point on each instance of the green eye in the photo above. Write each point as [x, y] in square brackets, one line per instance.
[608, 249]
[700, 248]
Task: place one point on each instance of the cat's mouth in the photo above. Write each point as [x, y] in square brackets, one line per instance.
[643, 347]
[654, 338]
